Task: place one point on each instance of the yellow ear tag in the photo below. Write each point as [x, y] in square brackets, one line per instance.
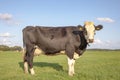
[97, 28]
[80, 28]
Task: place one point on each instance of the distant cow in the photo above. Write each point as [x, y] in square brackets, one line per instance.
[51, 40]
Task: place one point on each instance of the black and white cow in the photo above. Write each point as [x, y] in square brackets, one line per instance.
[51, 40]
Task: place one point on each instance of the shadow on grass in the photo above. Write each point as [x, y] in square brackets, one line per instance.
[55, 66]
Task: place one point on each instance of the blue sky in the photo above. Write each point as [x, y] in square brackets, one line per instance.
[16, 14]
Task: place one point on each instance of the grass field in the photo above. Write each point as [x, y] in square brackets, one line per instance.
[93, 65]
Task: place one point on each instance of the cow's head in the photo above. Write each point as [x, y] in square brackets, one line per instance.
[89, 30]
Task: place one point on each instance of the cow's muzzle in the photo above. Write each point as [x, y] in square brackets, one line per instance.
[91, 40]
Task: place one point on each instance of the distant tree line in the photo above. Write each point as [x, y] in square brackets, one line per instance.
[103, 49]
[7, 48]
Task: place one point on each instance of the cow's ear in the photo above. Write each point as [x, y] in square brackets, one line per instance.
[99, 27]
[80, 27]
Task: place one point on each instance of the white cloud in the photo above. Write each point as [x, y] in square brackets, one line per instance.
[107, 44]
[105, 19]
[8, 39]
[98, 41]
[13, 22]
[7, 34]
[5, 41]
[5, 16]
[8, 19]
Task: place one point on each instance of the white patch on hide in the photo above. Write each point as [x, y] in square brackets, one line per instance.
[38, 51]
[76, 56]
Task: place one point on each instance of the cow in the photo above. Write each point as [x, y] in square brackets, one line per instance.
[72, 40]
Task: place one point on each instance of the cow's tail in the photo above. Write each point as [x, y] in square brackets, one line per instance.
[24, 45]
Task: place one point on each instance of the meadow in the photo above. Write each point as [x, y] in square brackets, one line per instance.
[92, 65]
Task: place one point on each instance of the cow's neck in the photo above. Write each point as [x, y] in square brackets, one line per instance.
[84, 43]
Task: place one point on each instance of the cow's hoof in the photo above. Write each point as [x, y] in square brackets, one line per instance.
[32, 71]
[71, 74]
[26, 72]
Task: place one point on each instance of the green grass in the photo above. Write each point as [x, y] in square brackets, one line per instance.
[93, 65]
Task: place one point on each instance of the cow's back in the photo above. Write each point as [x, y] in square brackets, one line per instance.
[55, 32]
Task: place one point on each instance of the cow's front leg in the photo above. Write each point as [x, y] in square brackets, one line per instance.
[28, 62]
[71, 63]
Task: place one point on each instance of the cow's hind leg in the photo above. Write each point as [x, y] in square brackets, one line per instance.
[25, 61]
[25, 67]
[28, 61]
